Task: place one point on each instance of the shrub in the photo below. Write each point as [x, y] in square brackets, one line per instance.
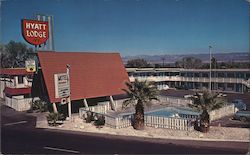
[100, 121]
[40, 106]
[90, 117]
[55, 119]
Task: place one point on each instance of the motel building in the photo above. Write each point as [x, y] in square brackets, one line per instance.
[100, 77]
[222, 80]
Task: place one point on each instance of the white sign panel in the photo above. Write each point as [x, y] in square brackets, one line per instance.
[62, 85]
[30, 65]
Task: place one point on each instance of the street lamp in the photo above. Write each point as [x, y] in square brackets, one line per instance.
[210, 70]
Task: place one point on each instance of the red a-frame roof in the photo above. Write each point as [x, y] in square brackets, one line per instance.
[91, 74]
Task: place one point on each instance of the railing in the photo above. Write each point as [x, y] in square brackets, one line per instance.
[191, 79]
[11, 83]
[175, 101]
[101, 108]
[183, 123]
[151, 121]
[168, 123]
[118, 122]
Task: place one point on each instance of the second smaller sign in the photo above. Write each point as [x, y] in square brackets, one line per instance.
[62, 85]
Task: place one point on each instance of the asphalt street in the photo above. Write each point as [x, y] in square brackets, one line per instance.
[19, 136]
[17, 141]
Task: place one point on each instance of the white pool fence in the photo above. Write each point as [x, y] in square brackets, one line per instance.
[182, 123]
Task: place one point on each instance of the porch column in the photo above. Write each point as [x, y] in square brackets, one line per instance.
[15, 81]
[225, 86]
[54, 108]
[85, 103]
[112, 103]
[235, 87]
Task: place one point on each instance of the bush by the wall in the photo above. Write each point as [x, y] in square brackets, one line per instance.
[55, 119]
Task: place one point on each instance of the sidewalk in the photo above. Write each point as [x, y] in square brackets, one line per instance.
[215, 133]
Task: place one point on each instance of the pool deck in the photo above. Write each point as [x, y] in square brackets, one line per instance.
[155, 107]
[131, 110]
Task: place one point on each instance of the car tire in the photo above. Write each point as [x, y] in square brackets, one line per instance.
[243, 119]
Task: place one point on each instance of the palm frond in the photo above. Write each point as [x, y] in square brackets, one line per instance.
[206, 101]
[140, 91]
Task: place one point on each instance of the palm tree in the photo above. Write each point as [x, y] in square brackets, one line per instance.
[206, 102]
[140, 94]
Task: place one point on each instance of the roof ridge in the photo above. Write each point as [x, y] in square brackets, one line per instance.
[81, 52]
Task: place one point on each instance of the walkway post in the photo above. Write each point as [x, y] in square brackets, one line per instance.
[85, 103]
[112, 103]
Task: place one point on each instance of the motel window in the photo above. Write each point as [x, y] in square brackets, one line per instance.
[247, 75]
[221, 75]
[130, 74]
[230, 75]
[20, 79]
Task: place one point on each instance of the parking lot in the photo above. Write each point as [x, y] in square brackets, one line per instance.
[230, 96]
[227, 121]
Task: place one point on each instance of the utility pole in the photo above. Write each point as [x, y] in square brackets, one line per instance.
[210, 70]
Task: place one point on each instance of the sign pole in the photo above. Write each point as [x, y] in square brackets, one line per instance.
[69, 101]
[210, 70]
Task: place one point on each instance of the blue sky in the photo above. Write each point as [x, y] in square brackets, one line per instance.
[136, 27]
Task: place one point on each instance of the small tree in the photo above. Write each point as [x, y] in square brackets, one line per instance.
[214, 63]
[189, 63]
[14, 54]
[206, 102]
[140, 94]
[139, 63]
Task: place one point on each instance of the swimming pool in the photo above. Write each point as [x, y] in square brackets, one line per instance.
[174, 112]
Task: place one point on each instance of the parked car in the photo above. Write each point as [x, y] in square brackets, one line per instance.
[242, 115]
[239, 104]
[188, 96]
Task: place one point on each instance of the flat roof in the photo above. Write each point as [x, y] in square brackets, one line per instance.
[14, 71]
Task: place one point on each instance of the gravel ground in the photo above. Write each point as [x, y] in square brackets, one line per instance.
[215, 133]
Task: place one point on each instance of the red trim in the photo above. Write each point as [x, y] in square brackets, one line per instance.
[17, 91]
[14, 71]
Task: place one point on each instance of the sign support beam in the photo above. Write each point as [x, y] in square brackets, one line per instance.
[54, 107]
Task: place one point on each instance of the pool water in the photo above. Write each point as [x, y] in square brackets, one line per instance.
[172, 112]
[162, 113]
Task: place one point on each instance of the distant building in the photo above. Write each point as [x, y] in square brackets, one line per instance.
[224, 80]
[16, 88]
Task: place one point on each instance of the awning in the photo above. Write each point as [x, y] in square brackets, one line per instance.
[17, 91]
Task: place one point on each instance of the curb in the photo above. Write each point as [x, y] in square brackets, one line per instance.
[163, 138]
